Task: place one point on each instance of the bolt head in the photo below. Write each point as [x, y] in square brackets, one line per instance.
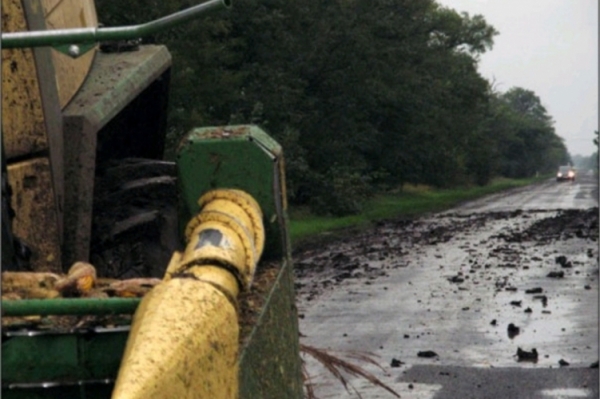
[74, 50]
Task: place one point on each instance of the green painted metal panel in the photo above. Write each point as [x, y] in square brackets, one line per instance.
[270, 364]
[101, 353]
[40, 358]
[70, 306]
[78, 365]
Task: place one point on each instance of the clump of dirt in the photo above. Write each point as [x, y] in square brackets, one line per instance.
[367, 254]
[351, 254]
[565, 225]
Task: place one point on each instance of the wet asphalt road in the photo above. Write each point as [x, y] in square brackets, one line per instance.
[449, 286]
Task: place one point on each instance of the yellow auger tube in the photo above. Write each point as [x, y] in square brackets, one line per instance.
[184, 337]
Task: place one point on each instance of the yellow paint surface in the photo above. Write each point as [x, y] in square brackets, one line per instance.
[23, 128]
[183, 344]
[70, 73]
[247, 203]
[36, 219]
[184, 338]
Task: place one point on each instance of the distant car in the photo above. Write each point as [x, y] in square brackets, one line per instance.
[565, 173]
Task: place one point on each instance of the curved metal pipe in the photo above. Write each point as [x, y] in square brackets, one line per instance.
[185, 334]
[59, 37]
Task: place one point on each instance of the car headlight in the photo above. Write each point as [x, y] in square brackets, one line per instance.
[571, 174]
[559, 174]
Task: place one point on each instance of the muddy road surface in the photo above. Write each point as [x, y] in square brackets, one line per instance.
[495, 299]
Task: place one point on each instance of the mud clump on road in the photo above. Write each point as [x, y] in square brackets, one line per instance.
[565, 225]
[367, 255]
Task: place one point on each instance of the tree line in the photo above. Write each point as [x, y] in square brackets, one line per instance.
[588, 162]
[362, 95]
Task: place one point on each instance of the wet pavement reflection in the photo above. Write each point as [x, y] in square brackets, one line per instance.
[505, 289]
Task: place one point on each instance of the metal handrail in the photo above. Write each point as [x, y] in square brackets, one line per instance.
[58, 37]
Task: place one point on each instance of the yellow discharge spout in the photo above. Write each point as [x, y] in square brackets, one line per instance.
[184, 337]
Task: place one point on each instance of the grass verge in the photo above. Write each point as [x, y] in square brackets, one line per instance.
[410, 202]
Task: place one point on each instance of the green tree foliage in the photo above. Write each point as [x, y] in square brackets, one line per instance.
[524, 135]
[586, 163]
[362, 95]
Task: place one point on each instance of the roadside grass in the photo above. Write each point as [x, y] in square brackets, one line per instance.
[409, 202]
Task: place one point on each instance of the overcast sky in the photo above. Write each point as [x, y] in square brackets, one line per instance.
[551, 48]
